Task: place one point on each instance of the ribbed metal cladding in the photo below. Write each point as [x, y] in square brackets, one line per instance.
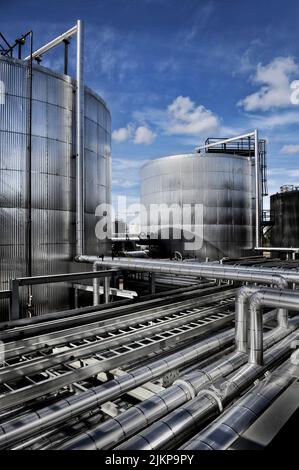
[53, 176]
[222, 184]
[285, 213]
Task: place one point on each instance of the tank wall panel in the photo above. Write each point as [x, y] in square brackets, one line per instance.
[222, 184]
[285, 207]
[53, 176]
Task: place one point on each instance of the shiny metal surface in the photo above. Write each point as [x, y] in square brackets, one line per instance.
[243, 413]
[80, 153]
[285, 231]
[167, 400]
[177, 425]
[48, 416]
[223, 184]
[53, 176]
[207, 270]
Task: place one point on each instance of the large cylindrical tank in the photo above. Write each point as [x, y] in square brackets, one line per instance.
[284, 208]
[217, 189]
[53, 176]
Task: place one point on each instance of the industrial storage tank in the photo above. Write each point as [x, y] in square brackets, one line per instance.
[217, 187]
[284, 209]
[52, 174]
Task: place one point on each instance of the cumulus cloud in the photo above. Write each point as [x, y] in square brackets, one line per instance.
[290, 149]
[275, 79]
[143, 135]
[122, 134]
[275, 120]
[185, 118]
[139, 135]
[181, 117]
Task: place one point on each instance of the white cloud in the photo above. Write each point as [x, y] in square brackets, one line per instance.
[124, 183]
[143, 135]
[274, 120]
[290, 149]
[122, 134]
[185, 118]
[275, 79]
[283, 172]
[181, 117]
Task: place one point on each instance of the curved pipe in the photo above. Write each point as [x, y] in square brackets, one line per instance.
[259, 300]
[242, 312]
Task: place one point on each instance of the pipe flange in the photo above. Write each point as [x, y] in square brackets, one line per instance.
[186, 385]
[213, 395]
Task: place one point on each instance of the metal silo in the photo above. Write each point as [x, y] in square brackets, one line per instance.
[220, 185]
[284, 207]
[53, 173]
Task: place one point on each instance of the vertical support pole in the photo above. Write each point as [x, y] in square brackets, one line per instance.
[152, 283]
[19, 50]
[106, 284]
[76, 297]
[80, 140]
[257, 191]
[29, 169]
[96, 285]
[66, 55]
[14, 313]
[29, 179]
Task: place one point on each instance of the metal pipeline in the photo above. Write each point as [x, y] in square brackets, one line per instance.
[113, 431]
[37, 422]
[242, 313]
[180, 423]
[80, 190]
[221, 434]
[279, 278]
[234, 273]
[266, 298]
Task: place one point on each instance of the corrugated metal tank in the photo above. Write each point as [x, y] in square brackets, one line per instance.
[221, 184]
[53, 176]
[284, 208]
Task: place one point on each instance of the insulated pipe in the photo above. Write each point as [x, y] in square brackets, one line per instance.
[257, 190]
[242, 312]
[201, 269]
[182, 421]
[114, 430]
[221, 434]
[80, 195]
[241, 274]
[36, 422]
[266, 298]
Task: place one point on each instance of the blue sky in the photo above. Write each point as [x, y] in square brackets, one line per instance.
[174, 72]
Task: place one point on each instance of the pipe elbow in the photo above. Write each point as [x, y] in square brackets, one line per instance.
[256, 299]
[245, 291]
